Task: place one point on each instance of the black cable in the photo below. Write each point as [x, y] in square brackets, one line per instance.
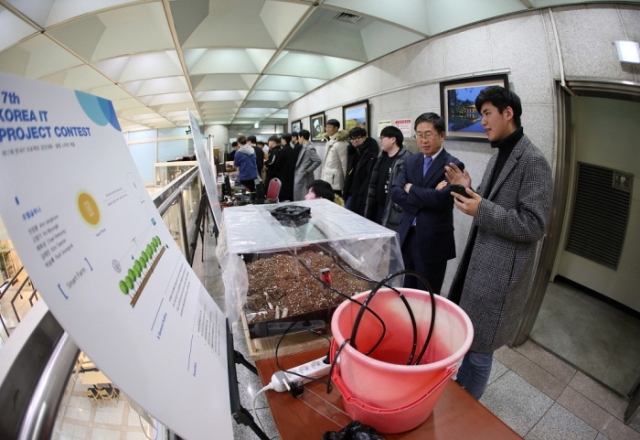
[330, 287]
[292, 372]
[375, 290]
[333, 364]
[414, 325]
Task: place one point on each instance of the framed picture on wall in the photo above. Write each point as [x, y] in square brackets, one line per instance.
[356, 115]
[296, 126]
[457, 103]
[317, 127]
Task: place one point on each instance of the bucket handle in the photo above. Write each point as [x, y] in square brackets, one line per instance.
[345, 393]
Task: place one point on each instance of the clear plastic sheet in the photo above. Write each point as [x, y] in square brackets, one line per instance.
[365, 246]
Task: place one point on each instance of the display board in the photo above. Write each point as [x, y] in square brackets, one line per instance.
[206, 171]
[102, 258]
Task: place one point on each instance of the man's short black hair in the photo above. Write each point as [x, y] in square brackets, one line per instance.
[357, 132]
[322, 189]
[234, 144]
[286, 137]
[434, 118]
[260, 143]
[273, 138]
[333, 122]
[501, 98]
[304, 134]
[392, 131]
[251, 139]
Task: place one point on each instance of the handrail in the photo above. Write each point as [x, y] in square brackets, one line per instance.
[169, 192]
[11, 282]
[49, 390]
[39, 361]
[13, 306]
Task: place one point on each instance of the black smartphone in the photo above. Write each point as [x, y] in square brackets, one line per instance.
[459, 189]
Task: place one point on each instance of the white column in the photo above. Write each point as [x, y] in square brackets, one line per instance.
[217, 136]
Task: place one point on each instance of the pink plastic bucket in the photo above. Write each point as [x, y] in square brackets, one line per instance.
[393, 421]
[382, 381]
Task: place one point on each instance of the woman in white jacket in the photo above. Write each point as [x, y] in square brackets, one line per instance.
[334, 168]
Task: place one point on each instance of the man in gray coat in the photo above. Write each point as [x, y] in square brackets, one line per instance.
[510, 210]
[308, 160]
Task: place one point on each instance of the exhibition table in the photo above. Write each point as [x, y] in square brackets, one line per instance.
[456, 415]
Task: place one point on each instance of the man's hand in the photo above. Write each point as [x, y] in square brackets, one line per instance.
[456, 175]
[407, 187]
[441, 185]
[467, 205]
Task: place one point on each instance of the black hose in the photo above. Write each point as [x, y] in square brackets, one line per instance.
[375, 290]
[402, 297]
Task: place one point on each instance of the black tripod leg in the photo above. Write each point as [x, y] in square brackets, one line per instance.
[244, 417]
[239, 413]
[240, 359]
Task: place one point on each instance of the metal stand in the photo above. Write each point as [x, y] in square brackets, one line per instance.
[203, 216]
[239, 413]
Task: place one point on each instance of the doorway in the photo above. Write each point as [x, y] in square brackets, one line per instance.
[582, 309]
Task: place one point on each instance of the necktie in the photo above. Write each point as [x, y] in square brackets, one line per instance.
[425, 166]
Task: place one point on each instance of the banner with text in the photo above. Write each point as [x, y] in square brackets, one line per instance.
[98, 251]
[206, 170]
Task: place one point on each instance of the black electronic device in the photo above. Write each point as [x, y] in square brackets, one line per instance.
[274, 328]
[226, 186]
[295, 214]
[260, 193]
[459, 189]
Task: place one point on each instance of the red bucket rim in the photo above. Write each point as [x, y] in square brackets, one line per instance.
[447, 362]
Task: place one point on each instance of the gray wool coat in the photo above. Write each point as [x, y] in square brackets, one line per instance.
[308, 160]
[511, 219]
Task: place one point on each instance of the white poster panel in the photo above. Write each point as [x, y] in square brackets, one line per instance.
[99, 253]
[404, 125]
[381, 125]
[206, 171]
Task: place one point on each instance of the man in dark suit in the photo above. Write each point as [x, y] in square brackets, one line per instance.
[426, 228]
[510, 210]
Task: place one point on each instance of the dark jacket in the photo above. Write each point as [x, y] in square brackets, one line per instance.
[259, 158]
[246, 164]
[271, 165]
[432, 209]
[392, 211]
[360, 162]
[282, 164]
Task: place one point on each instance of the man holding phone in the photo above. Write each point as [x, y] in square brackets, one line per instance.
[426, 226]
[510, 210]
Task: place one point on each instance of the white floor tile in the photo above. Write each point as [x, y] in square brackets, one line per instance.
[78, 414]
[98, 434]
[80, 432]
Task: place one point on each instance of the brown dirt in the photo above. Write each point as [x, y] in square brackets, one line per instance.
[288, 285]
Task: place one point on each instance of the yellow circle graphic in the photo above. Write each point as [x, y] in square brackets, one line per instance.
[88, 209]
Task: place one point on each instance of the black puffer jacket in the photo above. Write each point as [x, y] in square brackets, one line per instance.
[359, 166]
[392, 212]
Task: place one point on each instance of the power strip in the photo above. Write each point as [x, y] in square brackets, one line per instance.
[280, 380]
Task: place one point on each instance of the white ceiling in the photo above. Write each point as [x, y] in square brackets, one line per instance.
[230, 62]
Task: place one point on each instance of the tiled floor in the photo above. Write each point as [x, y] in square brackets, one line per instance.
[79, 418]
[599, 339]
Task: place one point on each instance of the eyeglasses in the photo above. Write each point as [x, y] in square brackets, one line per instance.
[427, 135]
